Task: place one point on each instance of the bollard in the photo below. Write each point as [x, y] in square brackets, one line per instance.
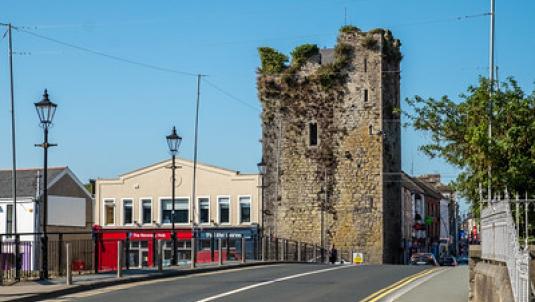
[119, 258]
[160, 255]
[284, 250]
[243, 250]
[264, 248]
[298, 251]
[220, 251]
[68, 263]
[193, 252]
[276, 256]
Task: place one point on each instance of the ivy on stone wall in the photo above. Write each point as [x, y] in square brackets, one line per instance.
[272, 61]
[349, 29]
[301, 54]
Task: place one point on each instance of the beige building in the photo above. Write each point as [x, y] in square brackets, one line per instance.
[142, 198]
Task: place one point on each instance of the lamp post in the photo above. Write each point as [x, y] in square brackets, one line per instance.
[45, 110]
[173, 141]
[262, 170]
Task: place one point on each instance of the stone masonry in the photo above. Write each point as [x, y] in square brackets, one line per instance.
[351, 176]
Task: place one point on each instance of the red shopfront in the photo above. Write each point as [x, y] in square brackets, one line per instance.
[140, 247]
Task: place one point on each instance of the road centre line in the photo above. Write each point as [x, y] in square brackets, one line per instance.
[389, 289]
[405, 289]
[241, 289]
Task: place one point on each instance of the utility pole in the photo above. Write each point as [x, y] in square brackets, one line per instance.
[13, 149]
[491, 78]
[199, 76]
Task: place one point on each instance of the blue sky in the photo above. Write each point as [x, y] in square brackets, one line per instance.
[113, 117]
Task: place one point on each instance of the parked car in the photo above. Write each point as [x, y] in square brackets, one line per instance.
[448, 261]
[423, 259]
[462, 260]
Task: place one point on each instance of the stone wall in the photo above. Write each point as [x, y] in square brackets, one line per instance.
[351, 177]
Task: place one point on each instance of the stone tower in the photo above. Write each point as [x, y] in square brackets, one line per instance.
[331, 141]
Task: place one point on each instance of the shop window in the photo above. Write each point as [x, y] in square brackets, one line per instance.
[223, 204]
[245, 209]
[146, 211]
[109, 212]
[312, 134]
[204, 210]
[127, 211]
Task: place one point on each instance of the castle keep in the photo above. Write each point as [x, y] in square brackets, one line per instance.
[331, 141]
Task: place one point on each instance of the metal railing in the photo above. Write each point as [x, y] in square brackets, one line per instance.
[500, 242]
[94, 253]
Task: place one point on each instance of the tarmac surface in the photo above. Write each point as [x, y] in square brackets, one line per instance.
[283, 282]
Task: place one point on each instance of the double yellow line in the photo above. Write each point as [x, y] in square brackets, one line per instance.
[393, 287]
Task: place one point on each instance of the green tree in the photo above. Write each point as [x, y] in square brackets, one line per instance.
[459, 134]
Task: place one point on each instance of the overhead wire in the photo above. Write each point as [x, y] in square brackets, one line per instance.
[109, 56]
[230, 95]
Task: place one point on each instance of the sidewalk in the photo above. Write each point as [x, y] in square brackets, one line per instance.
[450, 285]
[38, 290]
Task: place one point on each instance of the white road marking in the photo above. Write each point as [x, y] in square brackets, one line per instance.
[99, 291]
[238, 290]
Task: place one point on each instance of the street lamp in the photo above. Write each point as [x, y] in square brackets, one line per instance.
[173, 141]
[45, 110]
[262, 170]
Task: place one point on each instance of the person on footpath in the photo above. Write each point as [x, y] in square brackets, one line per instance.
[333, 255]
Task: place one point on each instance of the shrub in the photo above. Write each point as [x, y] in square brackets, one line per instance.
[302, 53]
[271, 60]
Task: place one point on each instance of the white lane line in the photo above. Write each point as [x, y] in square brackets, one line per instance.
[94, 292]
[234, 291]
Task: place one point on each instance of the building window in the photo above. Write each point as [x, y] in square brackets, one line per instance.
[181, 210]
[204, 210]
[245, 209]
[9, 219]
[365, 65]
[370, 130]
[365, 95]
[223, 204]
[109, 212]
[313, 134]
[146, 211]
[127, 211]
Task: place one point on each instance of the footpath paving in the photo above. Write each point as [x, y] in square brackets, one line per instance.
[39, 290]
[448, 285]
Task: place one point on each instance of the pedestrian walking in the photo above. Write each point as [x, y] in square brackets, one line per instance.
[333, 255]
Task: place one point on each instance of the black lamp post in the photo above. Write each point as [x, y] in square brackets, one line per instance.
[262, 170]
[173, 141]
[45, 110]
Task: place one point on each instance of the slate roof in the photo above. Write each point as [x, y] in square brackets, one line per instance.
[26, 181]
[419, 185]
[408, 183]
[326, 55]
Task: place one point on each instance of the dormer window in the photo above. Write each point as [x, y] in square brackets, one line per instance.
[312, 134]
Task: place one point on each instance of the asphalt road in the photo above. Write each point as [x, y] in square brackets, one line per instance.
[285, 282]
